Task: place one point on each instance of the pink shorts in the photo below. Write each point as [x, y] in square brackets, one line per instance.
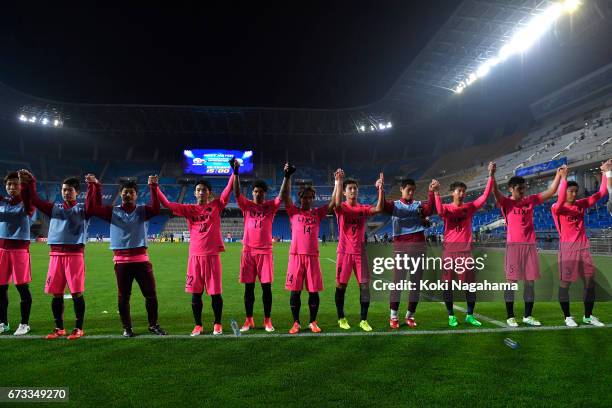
[66, 268]
[304, 268]
[253, 266]
[15, 266]
[347, 263]
[522, 262]
[574, 264]
[204, 272]
[460, 272]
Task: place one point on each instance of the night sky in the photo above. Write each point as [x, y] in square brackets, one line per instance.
[320, 54]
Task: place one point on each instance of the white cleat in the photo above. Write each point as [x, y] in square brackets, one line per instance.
[22, 330]
[511, 322]
[530, 321]
[593, 321]
[570, 322]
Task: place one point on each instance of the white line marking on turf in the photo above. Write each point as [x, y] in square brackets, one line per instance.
[459, 308]
[331, 334]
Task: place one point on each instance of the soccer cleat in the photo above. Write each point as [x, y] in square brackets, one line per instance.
[23, 329]
[295, 329]
[343, 323]
[511, 322]
[410, 322]
[472, 320]
[365, 326]
[127, 332]
[248, 325]
[4, 328]
[217, 329]
[529, 320]
[157, 330]
[592, 321]
[570, 322]
[57, 333]
[394, 323]
[76, 333]
[452, 321]
[268, 325]
[196, 331]
[314, 327]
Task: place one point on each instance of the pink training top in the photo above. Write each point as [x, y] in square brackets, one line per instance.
[258, 220]
[519, 218]
[352, 225]
[204, 221]
[458, 219]
[569, 219]
[305, 229]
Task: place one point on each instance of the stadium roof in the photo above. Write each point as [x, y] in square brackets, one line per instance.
[474, 32]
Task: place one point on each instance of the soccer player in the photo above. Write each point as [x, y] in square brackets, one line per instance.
[304, 266]
[205, 244]
[68, 223]
[408, 220]
[457, 218]
[128, 240]
[15, 222]
[257, 261]
[521, 261]
[608, 169]
[352, 257]
[574, 255]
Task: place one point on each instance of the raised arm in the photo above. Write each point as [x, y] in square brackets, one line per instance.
[480, 201]
[499, 197]
[332, 200]
[607, 167]
[93, 201]
[285, 191]
[235, 165]
[548, 194]
[29, 195]
[227, 191]
[176, 208]
[339, 177]
[603, 190]
[152, 209]
[562, 194]
[428, 207]
[380, 204]
[435, 189]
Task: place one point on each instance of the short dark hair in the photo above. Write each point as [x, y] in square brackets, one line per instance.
[408, 182]
[73, 182]
[457, 184]
[11, 175]
[261, 184]
[349, 181]
[205, 183]
[128, 184]
[305, 190]
[515, 181]
[572, 184]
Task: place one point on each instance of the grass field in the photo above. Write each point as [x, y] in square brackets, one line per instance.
[443, 368]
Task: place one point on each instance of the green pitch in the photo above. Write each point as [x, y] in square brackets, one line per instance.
[561, 367]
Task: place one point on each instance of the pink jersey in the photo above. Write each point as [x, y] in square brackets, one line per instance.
[569, 219]
[305, 229]
[258, 220]
[352, 226]
[458, 219]
[519, 218]
[204, 221]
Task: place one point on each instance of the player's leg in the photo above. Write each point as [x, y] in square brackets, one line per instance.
[22, 276]
[395, 298]
[216, 303]
[266, 297]
[74, 267]
[248, 274]
[265, 272]
[529, 298]
[55, 284]
[4, 325]
[344, 269]
[194, 284]
[532, 273]
[513, 274]
[313, 307]
[362, 273]
[314, 285]
[295, 303]
[470, 299]
[125, 278]
[196, 308]
[294, 283]
[448, 275]
[588, 272]
[143, 273]
[564, 303]
[25, 307]
[214, 288]
[57, 309]
[509, 301]
[79, 311]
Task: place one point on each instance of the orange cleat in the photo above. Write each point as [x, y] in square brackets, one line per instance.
[248, 325]
[410, 322]
[196, 331]
[295, 329]
[268, 325]
[394, 323]
[217, 329]
[76, 333]
[57, 333]
[314, 327]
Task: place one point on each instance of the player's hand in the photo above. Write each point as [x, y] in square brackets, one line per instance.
[606, 166]
[339, 175]
[380, 183]
[562, 171]
[289, 169]
[90, 178]
[434, 186]
[492, 168]
[153, 180]
[25, 176]
[235, 165]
